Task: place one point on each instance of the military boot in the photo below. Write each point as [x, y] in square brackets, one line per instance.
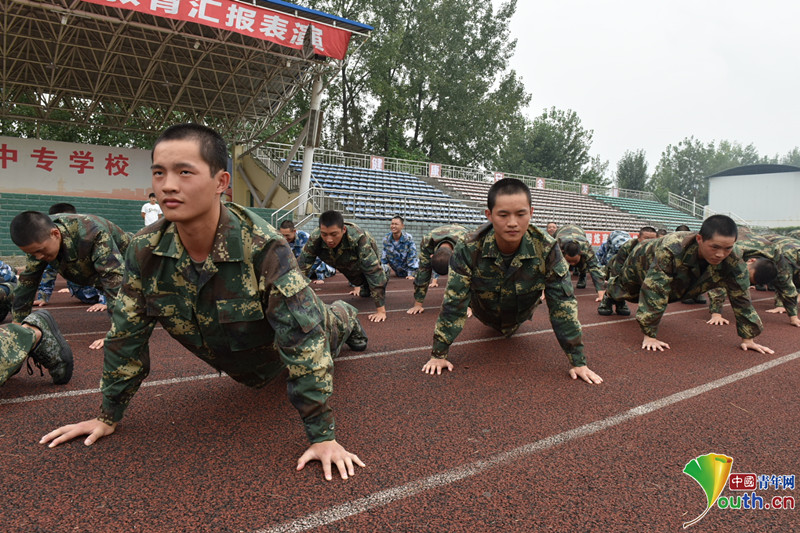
[622, 307]
[581, 281]
[364, 292]
[604, 309]
[357, 340]
[52, 351]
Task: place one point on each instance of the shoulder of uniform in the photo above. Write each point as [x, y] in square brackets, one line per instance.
[478, 234]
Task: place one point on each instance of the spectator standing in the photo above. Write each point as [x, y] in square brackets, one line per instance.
[151, 211]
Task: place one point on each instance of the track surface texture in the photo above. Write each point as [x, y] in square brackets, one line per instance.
[505, 442]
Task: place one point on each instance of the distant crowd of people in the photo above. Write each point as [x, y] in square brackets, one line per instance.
[237, 293]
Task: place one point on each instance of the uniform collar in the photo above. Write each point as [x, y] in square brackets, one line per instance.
[525, 250]
[227, 245]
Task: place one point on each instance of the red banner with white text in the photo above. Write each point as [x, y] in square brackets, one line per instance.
[247, 19]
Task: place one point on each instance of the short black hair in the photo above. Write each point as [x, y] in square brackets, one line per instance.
[401, 219]
[62, 207]
[440, 260]
[721, 225]
[331, 218]
[213, 149]
[764, 271]
[506, 186]
[30, 227]
[151, 195]
[287, 224]
[571, 248]
[661, 232]
[647, 229]
[682, 227]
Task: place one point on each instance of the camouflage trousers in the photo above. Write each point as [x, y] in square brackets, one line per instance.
[488, 318]
[6, 300]
[16, 343]
[399, 272]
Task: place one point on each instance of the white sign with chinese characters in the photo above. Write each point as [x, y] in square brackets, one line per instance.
[33, 166]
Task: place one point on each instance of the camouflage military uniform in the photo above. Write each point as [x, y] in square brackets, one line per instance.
[356, 257]
[588, 262]
[614, 264]
[789, 247]
[246, 311]
[319, 270]
[795, 234]
[399, 255]
[450, 233]
[87, 295]
[8, 281]
[90, 255]
[753, 246]
[504, 297]
[668, 269]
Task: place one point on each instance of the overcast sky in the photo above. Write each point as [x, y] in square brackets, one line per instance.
[645, 74]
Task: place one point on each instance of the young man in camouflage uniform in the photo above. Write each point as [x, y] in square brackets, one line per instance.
[437, 248]
[38, 337]
[578, 252]
[501, 269]
[683, 265]
[789, 248]
[353, 252]
[765, 263]
[399, 251]
[297, 239]
[225, 284]
[614, 265]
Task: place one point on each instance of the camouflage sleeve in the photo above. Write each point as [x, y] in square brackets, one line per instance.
[457, 296]
[423, 276]
[370, 265]
[785, 291]
[297, 316]
[598, 276]
[748, 323]
[384, 259]
[47, 284]
[412, 261]
[25, 292]
[654, 294]
[563, 307]
[127, 354]
[307, 257]
[108, 263]
[716, 298]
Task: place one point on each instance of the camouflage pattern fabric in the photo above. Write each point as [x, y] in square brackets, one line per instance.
[15, 345]
[795, 234]
[607, 251]
[247, 311]
[356, 257]
[789, 247]
[319, 270]
[87, 295]
[669, 269]
[588, 262]
[753, 246]
[450, 233]
[614, 264]
[505, 298]
[8, 281]
[400, 255]
[91, 254]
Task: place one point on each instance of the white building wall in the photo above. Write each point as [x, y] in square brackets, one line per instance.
[771, 200]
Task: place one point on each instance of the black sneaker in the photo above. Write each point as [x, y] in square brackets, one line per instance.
[364, 293]
[699, 300]
[622, 308]
[604, 309]
[761, 288]
[357, 340]
[687, 301]
[581, 282]
[52, 351]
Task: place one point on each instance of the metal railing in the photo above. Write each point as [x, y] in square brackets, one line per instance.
[687, 206]
[299, 213]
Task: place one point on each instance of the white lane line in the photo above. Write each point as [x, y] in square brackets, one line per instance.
[448, 477]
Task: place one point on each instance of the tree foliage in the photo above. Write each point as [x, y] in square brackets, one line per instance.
[632, 171]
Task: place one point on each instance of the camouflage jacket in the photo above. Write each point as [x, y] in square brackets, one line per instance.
[8, 277]
[400, 254]
[48, 283]
[91, 254]
[571, 232]
[246, 311]
[450, 233]
[753, 246]
[669, 269]
[319, 270]
[355, 256]
[614, 264]
[504, 299]
[789, 247]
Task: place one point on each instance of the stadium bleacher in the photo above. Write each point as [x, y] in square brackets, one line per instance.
[656, 213]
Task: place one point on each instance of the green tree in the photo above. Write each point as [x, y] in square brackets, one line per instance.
[632, 171]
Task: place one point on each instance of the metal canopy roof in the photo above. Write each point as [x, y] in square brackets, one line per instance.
[69, 61]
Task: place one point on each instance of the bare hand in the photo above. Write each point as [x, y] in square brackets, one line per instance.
[717, 320]
[330, 452]
[96, 307]
[410, 276]
[434, 283]
[649, 343]
[435, 366]
[585, 374]
[779, 310]
[40, 303]
[98, 344]
[600, 295]
[750, 344]
[469, 312]
[94, 428]
[355, 291]
[379, 315]
[417, 309]
[320, 282]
